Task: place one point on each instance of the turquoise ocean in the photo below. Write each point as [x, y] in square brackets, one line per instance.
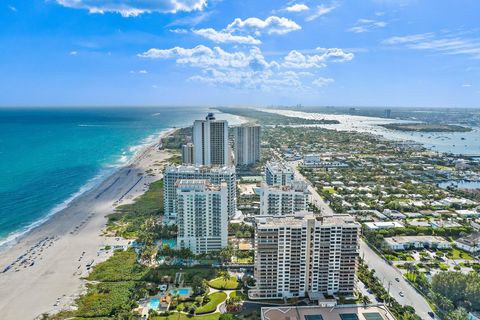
[49, 156]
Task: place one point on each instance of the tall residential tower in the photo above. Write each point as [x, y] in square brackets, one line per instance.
[246, 144]
[210, 139]
[215, 175]
[305, 255]
[202, 215]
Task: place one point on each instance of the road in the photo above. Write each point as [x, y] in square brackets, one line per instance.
[386, 273]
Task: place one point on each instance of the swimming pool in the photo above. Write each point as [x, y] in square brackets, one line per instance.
[153, 303]
[181, 291]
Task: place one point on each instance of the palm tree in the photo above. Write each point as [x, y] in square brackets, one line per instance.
[365, 300]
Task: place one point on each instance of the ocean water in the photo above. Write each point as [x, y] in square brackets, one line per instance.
[48, 156]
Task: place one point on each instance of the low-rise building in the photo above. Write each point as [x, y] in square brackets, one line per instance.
[327, 311]
[416, 242]
[468, 213]
[383, 225]
[470, 243]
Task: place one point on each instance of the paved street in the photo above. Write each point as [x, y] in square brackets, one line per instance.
[387, 274]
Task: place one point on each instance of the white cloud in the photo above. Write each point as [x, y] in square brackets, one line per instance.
[202, 56]
[240, 31]
[297, 60]
[322, 82]
[367, 25]
[143, 72]
[322, 10]
[223, 37]
[271, 25]
[448, 44]
[466, 85]
[14, 9]
[133, 8]
[250, 69]
[179, 30]
[297, 7]
[73, 53]
[408, 39]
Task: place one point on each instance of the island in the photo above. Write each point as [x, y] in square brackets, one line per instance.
[426, 127]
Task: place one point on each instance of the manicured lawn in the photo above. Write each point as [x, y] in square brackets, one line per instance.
[329, 190]
[221, 284]
[215, 299]
[456, 254]
[181, 316]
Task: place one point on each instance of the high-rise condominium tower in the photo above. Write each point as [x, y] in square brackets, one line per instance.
[210, 139]
[278, 174]
[246, 144]
[202, 215]
[188, 153]
[215, 175]
[284, 199]
[305, 255]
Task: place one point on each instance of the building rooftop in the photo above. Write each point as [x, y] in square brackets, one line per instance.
[196, 185]
[379, 312]
[471, 240]
[296, 185]
[279, 167]
[299, 218]
[203, 169]
[410, 239]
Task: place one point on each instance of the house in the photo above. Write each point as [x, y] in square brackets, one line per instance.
[383, 225]
[468, 213]
[470, 243]
[416, 242]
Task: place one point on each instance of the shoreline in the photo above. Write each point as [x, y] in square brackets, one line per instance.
[104, 173]
[45, 265]
[374, 126]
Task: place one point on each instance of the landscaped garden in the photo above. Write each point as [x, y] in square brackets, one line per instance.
[222, 283]
[214, 300]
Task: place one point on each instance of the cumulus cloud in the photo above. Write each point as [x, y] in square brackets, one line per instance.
[250, 69]
[246, 31]
[271, 25]
[322, 82]
[367, 25]
[448, 44]
[223, 37]
[298, 60]
[133, 8]
[322, 10]
[297, 7]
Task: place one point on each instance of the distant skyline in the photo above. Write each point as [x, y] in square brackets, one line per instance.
[408, 53]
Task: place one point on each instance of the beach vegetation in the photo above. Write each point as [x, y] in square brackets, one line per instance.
[142, 216]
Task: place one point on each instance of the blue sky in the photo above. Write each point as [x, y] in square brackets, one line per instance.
[200, 52]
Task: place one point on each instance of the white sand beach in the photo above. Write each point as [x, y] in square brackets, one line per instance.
[50, 260]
